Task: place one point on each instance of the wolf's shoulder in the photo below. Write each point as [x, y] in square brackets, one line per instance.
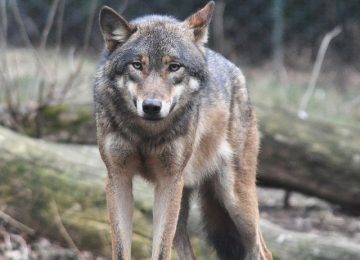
[222, 71]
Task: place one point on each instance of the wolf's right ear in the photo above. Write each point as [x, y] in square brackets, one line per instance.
[114, 28]
[199, 22]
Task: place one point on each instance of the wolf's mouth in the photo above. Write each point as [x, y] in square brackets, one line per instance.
[172, 107]
[152, 118]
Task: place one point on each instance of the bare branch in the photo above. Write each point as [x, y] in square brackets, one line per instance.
[59, 28]
[123, 6]
[24, 34]
[3, 23]
[48, 25]
[278, 8]
[316, 70]
[3, 34]
[16, 223]
[89, 25]
[62, 228]
[59, 25]
[23, 246]
[70, 81]
[218, 26]
[7, 240]
[74, 74]
[20, 22]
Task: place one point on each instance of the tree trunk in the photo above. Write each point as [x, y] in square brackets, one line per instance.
[310, 157]
[38, 176]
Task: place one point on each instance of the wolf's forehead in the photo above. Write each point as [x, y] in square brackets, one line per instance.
[158, 32]
[158, 41]
[152, 19]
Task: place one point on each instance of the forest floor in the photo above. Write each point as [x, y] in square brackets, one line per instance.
[307, 214]
[304, 214]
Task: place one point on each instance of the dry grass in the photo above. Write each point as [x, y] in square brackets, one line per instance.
[34, 79]
[23, 75]
[336, 97]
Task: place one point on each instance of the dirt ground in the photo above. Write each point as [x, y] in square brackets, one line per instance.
[307, 214]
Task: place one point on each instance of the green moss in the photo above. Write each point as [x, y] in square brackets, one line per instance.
[61, 119]
[55, 111]
[33, 189]
[65, 118]
[275, 257]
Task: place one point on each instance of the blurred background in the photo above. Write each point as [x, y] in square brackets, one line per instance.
[302, 63]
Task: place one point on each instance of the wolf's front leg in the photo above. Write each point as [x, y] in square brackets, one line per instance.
[120, 207]
[181, 241]
[168, 192]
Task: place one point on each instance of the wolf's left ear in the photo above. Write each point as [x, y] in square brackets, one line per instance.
[199, 22]
[114, 28]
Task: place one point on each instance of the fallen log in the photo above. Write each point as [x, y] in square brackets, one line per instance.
[36, 175]
[311, 157]
[308, 156]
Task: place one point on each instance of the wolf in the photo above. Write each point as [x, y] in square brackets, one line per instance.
[177, 113]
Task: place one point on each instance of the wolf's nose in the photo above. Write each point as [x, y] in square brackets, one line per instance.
[151, 106]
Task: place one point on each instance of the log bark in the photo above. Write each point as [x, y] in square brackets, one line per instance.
[35, 175]
[311, 157]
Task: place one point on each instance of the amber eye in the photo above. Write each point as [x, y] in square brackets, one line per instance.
[174, 67]
[137, 65]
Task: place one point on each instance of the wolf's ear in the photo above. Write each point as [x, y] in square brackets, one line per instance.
[199, 22]
[114, 28]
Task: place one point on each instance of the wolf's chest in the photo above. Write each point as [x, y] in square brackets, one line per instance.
[206, 162]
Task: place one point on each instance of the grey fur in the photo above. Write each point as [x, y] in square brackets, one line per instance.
[210, 114]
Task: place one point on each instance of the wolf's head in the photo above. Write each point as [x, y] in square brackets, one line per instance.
[156, 63]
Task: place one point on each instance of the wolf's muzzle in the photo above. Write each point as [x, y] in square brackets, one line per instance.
[152, 108]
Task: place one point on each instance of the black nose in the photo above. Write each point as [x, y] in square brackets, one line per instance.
[151, 106]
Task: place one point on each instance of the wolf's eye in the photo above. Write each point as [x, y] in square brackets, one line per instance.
[137, 65]
[174, 67]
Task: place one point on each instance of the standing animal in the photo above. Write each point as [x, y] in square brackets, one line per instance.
[178, 114]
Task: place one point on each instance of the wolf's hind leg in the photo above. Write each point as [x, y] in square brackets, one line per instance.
[238, 196]
[181, 240]
[243, 210]
[220, 228]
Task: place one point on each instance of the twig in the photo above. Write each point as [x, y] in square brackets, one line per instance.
[316, 70]
[23, 246]
[278, 8]
[7, 240]
[218, 26]
[59, 27]
[48, 25]
[4, 23]
[89, 25]
[3, 44]
[123, 6]
[74, 74]
[24, 34]
[16, 223]
[62, 228]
